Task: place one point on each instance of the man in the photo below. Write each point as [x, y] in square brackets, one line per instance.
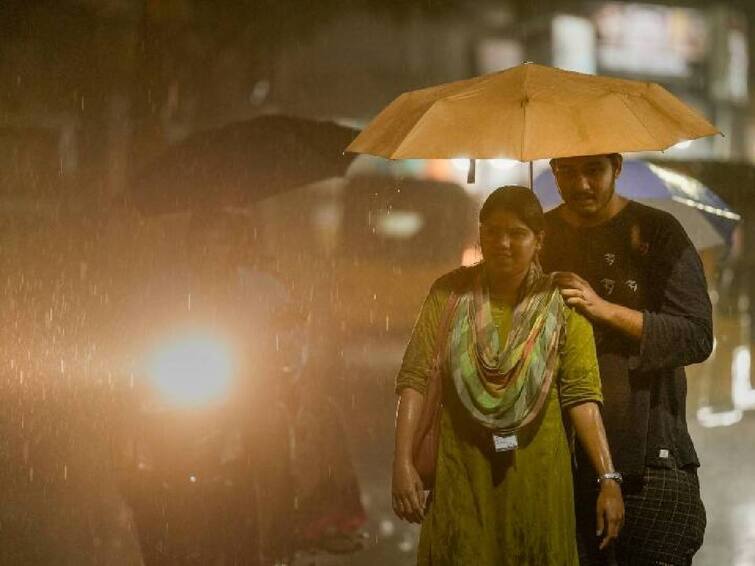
[633, 272]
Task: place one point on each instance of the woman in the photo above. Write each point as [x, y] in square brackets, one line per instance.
[517, 360]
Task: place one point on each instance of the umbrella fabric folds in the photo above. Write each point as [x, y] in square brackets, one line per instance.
[531, 112]
[241, 163]
[707, 219]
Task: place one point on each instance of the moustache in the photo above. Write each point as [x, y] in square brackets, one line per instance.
[582, 196]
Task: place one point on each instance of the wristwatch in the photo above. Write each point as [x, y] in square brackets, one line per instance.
[615, 476]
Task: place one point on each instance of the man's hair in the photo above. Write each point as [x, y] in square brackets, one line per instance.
[615, 159]
[519, 201]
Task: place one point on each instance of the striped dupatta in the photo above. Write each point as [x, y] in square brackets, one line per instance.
[505, 387]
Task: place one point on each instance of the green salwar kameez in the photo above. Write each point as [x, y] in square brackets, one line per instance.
[502, 509]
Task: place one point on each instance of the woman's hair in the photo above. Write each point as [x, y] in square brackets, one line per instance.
[517, 200]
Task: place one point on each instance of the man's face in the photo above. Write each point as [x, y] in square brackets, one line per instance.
[587, 184]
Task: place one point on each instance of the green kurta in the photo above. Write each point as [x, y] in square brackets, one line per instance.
[508, 509]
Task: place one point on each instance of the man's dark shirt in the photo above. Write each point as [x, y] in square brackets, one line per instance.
[642, 259]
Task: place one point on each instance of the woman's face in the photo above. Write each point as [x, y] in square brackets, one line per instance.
[508, 244]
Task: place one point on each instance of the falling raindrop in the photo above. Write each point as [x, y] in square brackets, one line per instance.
[406, 545]
[387, 528]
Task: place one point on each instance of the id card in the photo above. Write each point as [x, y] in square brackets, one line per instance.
[505, 443]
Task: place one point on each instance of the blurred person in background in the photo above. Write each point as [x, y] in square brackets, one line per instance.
[517, 360]
[633, 272]
[230, 251]
[278, 443]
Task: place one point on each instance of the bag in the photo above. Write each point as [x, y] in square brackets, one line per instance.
[427, 435]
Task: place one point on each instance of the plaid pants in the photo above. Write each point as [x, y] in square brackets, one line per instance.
[664, 521]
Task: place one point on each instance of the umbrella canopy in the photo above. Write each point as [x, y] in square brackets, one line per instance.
[241, 163]
[707, 219]
[531, 112]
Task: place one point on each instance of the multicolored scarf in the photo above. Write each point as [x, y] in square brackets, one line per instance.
[504, 388]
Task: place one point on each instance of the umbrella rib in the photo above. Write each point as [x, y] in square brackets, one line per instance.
[411, 131]
[396, 152]
[526, 101]
[624, 102]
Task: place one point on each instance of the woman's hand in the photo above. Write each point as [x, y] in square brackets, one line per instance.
[610, 512]
[408, 492]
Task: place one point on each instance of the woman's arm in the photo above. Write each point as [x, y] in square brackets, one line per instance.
[411, 384]
[588, 425]
[408, 491]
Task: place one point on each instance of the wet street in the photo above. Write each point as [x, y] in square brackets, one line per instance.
[726, 479]
[369, 385]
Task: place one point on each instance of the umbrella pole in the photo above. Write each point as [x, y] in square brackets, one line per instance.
[532, 184]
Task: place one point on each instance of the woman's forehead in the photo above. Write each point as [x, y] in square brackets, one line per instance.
[503, 217]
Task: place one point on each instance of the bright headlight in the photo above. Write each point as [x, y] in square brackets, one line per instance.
[192, 370]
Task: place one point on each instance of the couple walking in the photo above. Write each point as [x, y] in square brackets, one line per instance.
[577, 323]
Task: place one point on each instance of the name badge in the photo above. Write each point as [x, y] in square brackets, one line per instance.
[505, 443]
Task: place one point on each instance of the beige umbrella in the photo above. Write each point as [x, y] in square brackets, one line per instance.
[530, 112]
